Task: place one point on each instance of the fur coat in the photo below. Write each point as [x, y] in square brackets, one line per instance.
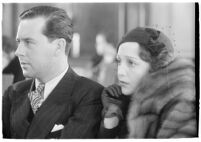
[165, 104]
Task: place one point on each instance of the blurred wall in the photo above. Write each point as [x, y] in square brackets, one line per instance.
[11, 12]
[90, 19]
[8, 23]
[177, 20]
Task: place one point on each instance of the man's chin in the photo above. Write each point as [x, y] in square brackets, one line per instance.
[27, 74]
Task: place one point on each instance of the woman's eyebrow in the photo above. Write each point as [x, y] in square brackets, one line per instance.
[132, 57]
[118, 56]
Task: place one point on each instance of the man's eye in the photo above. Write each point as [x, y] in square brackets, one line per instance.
[18, 42]
[27, 42]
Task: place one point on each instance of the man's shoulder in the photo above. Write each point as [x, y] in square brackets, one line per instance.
[88, 83]
[83, 82]
[86, 90]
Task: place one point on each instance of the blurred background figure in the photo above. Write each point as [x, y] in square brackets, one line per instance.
[103, 66]
[12, 71]
[8, 51]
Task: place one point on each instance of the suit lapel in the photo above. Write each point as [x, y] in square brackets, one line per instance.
[21, 112]
[58, 100]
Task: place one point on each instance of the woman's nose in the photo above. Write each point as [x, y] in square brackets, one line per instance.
[121, 70]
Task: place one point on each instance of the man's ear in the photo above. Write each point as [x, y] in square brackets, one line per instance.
[61, 45]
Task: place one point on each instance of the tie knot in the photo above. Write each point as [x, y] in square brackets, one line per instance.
[40, 87]
[36, 97]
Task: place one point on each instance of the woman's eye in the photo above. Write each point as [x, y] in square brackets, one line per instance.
[117, 61]
[131, 63]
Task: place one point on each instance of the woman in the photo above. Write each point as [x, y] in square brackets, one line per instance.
[155, 97]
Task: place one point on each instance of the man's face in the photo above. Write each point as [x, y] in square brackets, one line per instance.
[35, 52]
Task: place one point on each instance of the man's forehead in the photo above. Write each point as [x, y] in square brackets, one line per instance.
[33, 22]
[30, 26]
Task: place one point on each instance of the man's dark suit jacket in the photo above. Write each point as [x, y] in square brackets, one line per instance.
[75, 103]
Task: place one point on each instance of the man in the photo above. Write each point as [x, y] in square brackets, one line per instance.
[70, 106]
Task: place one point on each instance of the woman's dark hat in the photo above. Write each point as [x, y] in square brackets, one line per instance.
[155, 42]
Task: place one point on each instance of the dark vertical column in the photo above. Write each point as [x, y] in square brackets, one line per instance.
[14, 20]
[147, 14]
[126, 17]
[121, 20]
[197, 61]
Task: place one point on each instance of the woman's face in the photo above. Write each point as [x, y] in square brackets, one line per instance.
[131, 68]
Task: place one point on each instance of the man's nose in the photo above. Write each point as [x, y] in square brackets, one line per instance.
[20, 50]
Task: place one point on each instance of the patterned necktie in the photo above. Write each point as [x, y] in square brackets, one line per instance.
[36, 97]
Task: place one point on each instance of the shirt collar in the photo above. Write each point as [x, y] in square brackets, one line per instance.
[50, 85]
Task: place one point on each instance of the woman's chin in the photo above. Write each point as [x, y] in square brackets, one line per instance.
[126, 92]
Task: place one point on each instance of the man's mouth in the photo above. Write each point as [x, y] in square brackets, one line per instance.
[22, 63]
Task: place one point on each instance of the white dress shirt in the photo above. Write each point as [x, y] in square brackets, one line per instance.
[50, 85]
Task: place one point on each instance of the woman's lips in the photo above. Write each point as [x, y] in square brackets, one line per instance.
[123, 83]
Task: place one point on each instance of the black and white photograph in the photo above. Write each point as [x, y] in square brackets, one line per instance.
[100, 70]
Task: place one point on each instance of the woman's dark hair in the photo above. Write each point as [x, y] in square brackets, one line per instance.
[156, 47]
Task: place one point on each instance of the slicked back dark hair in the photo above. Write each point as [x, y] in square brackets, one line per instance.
[58, 23]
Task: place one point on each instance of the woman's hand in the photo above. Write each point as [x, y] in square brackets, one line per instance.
[111, 118]
[111, 122]
[114, 102]
[113, 90]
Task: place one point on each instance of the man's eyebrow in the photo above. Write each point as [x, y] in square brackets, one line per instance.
[25, 39]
